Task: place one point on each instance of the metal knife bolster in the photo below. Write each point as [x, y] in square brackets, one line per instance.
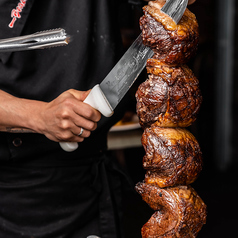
[125, 72]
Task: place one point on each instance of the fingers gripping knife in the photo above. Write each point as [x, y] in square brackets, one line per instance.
[106, 96]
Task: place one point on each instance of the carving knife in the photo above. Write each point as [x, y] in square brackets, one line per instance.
[106, 96]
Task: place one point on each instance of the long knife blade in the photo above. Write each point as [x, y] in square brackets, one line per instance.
[125, 72]
[106, 96]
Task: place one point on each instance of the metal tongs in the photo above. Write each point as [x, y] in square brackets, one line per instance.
[38, 40]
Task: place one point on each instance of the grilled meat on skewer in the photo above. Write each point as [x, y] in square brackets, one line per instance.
[170, 96]
[173, 156]
[180, 212]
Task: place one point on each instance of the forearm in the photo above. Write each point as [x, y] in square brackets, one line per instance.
[59, 120]
[18, 113]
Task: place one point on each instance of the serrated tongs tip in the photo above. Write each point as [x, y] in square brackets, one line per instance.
[38, 40]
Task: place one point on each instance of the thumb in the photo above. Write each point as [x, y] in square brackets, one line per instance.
[84, 94]
[80, 95]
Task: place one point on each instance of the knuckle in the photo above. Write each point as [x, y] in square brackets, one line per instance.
[98, 117]
[68, 102]
[65, 114]
[91, 126]
[95, 116]
[87, 134]
[69, 91]
[95, 126]
[64, 137]
[81, 139]
[89, 113]
[65, 125]
[66, 94]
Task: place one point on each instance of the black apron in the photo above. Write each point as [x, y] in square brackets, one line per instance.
[77, 200]
[46, 192]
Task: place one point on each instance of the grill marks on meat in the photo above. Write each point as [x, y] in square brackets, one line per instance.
[171, 43]
[152, 97]
[173, 156]
[180, 212]
[155, 36]
[170, 97]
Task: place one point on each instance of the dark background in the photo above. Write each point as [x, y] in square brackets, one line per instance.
[216, 127]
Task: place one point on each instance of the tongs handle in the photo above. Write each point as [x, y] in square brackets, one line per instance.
[38, 40]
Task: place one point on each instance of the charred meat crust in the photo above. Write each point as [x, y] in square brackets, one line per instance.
[180, 212]
[172, 156]
[171, 43]
[170, 97]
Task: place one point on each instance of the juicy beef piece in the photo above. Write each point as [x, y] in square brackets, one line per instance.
[173, 156]
[170, 96]
[171, 43]
[180, 212]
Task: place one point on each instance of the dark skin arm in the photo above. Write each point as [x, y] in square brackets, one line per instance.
[59, 120]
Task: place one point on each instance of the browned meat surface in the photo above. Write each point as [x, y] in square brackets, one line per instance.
[173, 156]
[170, 96]
[172, 44]
[180, 212]
[167, 101]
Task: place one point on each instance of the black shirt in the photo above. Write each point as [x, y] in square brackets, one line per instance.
[46, 192]
[45, 74]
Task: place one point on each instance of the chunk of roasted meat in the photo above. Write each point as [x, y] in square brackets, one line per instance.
[170, 96]
[168, 101]
[171, 43]
[180, 212]
[172, 156]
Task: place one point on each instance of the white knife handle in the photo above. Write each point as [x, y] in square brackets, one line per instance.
[97, 100]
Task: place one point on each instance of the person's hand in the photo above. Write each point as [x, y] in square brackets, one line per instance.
[63, 118]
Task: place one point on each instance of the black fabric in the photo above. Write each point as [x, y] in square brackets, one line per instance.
[136, 2]
[45, 74]
[46, 192]
[37, 202]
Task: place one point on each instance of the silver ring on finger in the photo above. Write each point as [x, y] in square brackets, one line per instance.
[81, 132]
